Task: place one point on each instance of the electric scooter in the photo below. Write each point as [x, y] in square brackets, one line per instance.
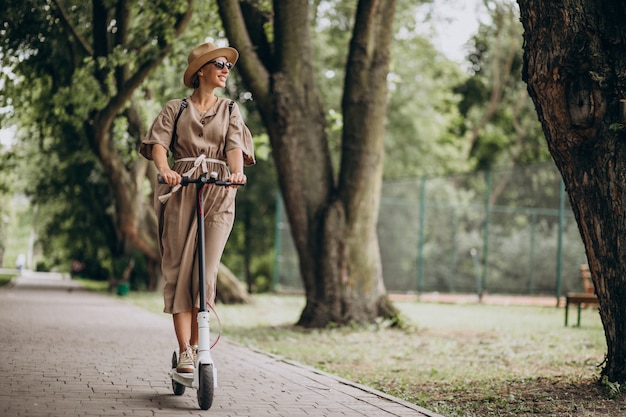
[204, 377]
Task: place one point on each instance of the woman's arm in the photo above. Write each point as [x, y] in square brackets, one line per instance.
[159, 156]
[235, 162]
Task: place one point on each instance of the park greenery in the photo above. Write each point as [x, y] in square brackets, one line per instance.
[441, 120]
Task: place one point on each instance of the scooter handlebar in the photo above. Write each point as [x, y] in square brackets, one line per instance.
[212, 179]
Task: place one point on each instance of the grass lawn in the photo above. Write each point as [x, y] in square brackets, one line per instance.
[5, 279]
[453, 359]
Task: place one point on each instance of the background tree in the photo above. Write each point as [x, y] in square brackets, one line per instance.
[332, 218]
[499, 121]
[575, 67]
[7, 184]
[422, 135]
[79, 68]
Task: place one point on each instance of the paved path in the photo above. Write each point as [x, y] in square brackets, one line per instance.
[68, 352]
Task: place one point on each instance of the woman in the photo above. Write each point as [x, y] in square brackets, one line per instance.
[205, 136]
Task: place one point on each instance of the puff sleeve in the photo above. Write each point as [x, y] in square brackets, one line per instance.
[239, 137]
[161, 130]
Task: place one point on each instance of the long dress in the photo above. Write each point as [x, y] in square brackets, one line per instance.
[203, 140]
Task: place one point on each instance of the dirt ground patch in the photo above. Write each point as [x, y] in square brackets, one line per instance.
[494, 299]
[553, 396]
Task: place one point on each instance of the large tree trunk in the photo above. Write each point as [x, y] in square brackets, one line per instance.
[575, 67]
[357, 265]
[333, 223]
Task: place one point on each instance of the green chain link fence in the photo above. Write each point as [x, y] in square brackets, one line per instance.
[506, 232]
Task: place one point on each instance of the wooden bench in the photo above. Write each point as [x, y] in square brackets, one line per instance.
[587, 298]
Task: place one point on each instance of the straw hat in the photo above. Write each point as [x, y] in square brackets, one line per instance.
[204, 53]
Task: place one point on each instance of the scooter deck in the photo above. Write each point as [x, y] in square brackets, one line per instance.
[182, 378]
[186, 379]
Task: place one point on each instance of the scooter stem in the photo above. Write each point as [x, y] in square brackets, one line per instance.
[200, 244]
[204, 334]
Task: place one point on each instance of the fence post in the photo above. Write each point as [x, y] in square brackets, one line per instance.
[452, 279]
[533, 228]
[479, 289]
[277, 242]
[559, 250]
[420, 242]
[486, 230]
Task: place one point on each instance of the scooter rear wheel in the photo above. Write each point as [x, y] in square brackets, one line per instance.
[177, 387]
[206, 386]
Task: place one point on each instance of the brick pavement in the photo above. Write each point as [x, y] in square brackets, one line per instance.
[68, 352]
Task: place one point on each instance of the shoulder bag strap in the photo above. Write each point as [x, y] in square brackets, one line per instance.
[183, 105]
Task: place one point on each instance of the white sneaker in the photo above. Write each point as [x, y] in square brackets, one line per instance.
[186, 362]
[194, 350]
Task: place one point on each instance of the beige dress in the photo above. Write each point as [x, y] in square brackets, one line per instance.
[211, 134]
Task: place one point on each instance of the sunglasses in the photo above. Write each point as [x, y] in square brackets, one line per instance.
[221, 64]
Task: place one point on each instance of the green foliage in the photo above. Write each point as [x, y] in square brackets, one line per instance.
[8, 165]
[52, 86]
[5, 279]
[421, 109]
[59, 88]
[95, 286]
[251, 244]
[422, 114]
[15, 229]
[499, 120]
[332, 23]
[68, 187]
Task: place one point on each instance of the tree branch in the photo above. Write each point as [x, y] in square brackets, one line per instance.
[255, 72]
[128, 86]
[87, 49]
[501, 69]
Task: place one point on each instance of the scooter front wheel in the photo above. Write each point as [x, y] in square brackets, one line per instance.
[177, 387]
[206, 386]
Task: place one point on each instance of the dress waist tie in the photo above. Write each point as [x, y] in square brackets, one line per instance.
[200, 161]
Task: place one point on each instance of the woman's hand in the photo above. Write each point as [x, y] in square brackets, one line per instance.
[235, 162]
[237, 178]
[170, 177]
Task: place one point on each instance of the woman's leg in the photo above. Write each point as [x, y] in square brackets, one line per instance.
[182, 327]
[193, 340]
[186, 328]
